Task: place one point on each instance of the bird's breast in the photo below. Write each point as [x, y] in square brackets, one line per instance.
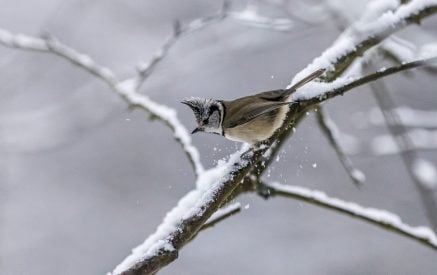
[258, 129]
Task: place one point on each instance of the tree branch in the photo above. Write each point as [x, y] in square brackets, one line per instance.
[326, 91]
[215, 186]
[381, 218]
[145, 69]
[356, 40]
[221, 214]
[407, 153]
[125, 88]
[331, 132]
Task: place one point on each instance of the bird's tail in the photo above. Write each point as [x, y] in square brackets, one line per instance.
[305, 80]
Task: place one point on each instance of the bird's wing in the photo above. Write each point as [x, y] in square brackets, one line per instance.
[255, 110]
[274, 95]
[281, 95]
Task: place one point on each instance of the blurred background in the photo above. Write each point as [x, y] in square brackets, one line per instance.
[83, 179]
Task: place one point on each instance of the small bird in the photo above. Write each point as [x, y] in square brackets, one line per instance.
[250, 119]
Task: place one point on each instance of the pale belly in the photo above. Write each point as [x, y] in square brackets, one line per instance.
[258, 129]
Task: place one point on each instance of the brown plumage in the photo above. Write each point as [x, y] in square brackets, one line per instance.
[249, 119]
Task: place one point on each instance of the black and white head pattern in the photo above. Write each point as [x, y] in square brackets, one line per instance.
[208, 112]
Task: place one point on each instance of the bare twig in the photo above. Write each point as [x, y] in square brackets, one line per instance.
[408, 154]
[331, 132]
[374, 216]
[221, 214]
[145, 69]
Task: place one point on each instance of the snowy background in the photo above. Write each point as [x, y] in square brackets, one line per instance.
[83, 179]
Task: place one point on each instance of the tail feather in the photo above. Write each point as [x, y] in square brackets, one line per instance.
[307, 79]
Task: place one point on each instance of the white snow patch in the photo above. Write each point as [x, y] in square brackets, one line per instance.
[425, 172]
[358, 175]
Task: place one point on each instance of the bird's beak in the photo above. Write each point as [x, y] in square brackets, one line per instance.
[195, 130]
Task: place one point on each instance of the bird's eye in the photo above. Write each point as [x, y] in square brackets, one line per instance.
[205, 121]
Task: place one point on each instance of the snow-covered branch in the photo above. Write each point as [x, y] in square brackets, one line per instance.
[215, 186]
[330, 129]
[382, 218]
[364, 34]
[187, 218]
[125, 88]
[180, 224]
[314, 93]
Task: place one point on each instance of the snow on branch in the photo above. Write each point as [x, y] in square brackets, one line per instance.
[399, 50]
[184, 221]
[330, 129]
[314, 92]
[364, 34]
[215, 186]
[125, 88]
[382, 218]
[425, 172]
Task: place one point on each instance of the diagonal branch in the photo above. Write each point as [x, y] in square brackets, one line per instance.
[330, 130]
[408, 154]
[381, 218]
[357, 39]
[152, 255]
[222, 214]
[193, 210]
[187, 218]
[125, 89]
[322, 92]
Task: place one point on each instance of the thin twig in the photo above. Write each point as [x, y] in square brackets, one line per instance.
[146, 69]
[222, 214]
[378, 217]
[331, 132]
[408, 154]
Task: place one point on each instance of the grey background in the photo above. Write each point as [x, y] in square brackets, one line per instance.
[83, 179]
